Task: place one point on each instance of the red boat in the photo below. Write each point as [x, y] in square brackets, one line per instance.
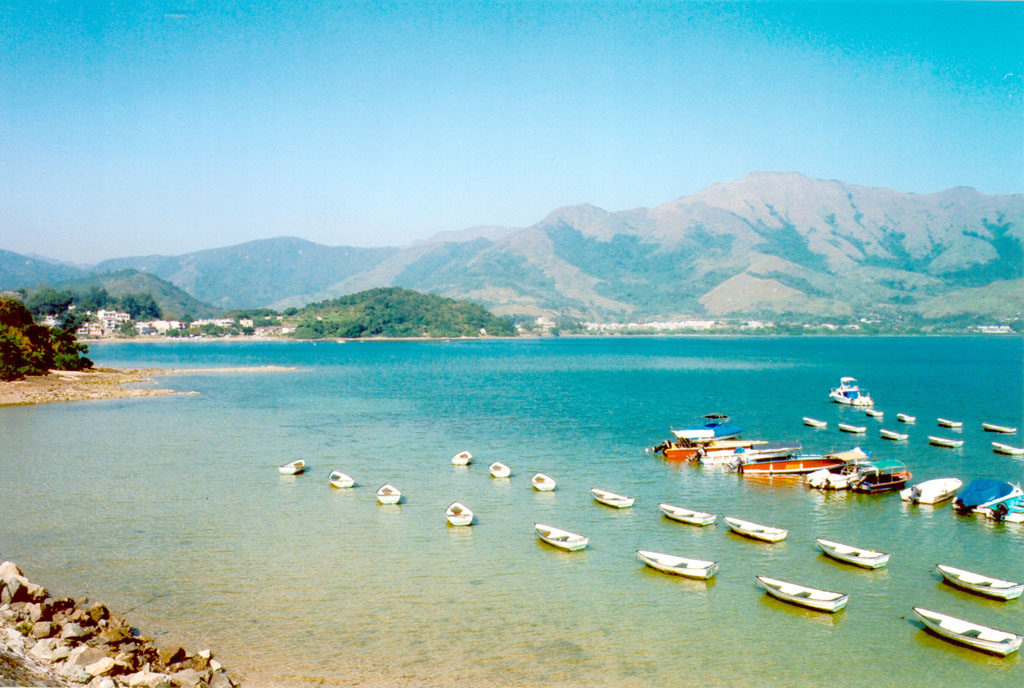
[791, 465]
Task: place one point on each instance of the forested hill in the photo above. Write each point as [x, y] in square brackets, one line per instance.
[397, 312]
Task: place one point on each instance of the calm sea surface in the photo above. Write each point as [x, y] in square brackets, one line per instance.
[172, 509]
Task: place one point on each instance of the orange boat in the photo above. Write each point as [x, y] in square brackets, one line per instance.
[691, 442]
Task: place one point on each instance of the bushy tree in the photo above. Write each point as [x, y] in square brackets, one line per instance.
[30, 349]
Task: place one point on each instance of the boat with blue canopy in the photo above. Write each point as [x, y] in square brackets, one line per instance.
[849, 392]
[987, 493]
[694, 438]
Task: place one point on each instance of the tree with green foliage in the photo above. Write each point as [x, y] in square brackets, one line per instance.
[30, 349]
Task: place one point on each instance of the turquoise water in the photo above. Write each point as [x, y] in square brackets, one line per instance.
[171, 508]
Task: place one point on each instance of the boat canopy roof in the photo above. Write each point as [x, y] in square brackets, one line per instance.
[984, 490]
[855, 454]
[844, 380]
[886, 466]
[708, 431]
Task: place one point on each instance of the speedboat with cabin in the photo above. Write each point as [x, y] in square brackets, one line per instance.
[931, 491]
[988, 494]
[881, 476]
[849, 392]
[840, 478]
[694, 438]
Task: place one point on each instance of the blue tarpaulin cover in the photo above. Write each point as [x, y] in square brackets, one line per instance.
[984, 490]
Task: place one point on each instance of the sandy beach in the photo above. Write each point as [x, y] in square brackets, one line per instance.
[103, 383]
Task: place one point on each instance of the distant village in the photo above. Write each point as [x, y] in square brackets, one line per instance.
[110, 324]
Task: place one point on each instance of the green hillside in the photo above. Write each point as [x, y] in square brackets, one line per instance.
[173, 301]
[397, 312]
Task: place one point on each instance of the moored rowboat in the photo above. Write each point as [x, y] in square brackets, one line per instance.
[864, 558]
[611, 499]
[696, 518]
[339, 479]
[947, 423]
[1000, 448]
[293, 468]
[892, 435]
[499, 470]
[463, 458]
[905, 418]
[971, 634]
[755, 530]
[542, 483]
[945, 442]
[459, 514]
[874, 413]
[979, 584]
[855, 429]
[992, 427]
[563, 539]
[813, 598]
[814, 423]
[388, 494]
[680, 566]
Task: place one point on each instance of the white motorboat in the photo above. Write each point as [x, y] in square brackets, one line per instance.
[695, 518]
[905, 418]
[388, 494]
[1004, 429]
[499, 470]
[339, 479]
[542, 483]
[947, 423]
[945, 442]
[864, 558]
[979, 584]
[845, 476]
[855, 429]
[813, 598]
[611, 499]
[562, 539]
[849, 393]
[459, 514]
[874, 413]
[968, 633]
[680, 566]
[293, 468]
[755, 530]
[931, 491]
[893, 435]
[1009, 450]
[463, 458]
[815, 423]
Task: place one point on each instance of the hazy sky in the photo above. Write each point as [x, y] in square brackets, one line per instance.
[131, 128]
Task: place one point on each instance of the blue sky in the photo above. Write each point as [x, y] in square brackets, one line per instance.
[132, 128]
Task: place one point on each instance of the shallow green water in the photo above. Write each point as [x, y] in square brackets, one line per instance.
[172, 508]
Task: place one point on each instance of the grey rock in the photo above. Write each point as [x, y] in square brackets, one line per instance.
[102, 682]
[9, 569]
[49, 650]
[220, 680]
[189, 678]
[42, 629]
[83, 656]
[75, 673]
[147, 679]
[101, 667]
[72, 630]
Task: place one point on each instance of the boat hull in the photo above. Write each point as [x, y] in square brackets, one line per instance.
[865, 559]
[819, 600]
[982, 638]
[694, 518]
[794, 465]
[990, 427]
[980, 585]
[1000, 448]
[499, 470]
[562, 539]
[944, 442]
[755, 531]
[931, 491]
[678, 566]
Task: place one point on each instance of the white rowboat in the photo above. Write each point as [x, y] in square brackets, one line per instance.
[1000, 448]
[905, 418]
[855, 429]
[947, 423]
[388, 494]
[971, 634]
[293, 468]
[339, 479]
[563, 539]
[874, 413]
[459, 514]
[981, 585]
[499, 470]
[680, 566]
[463, 458]
[991, 427]
[611, 499]
[864, 558]
[756, 531]
[542, 483]
[931, 491]
[944, 442]
[822, 600]
[893, 435]
[695, 518]
[814, 423]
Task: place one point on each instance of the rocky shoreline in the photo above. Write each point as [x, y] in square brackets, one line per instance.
[45, 641]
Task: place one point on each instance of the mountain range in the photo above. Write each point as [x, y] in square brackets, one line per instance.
[769, 243]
